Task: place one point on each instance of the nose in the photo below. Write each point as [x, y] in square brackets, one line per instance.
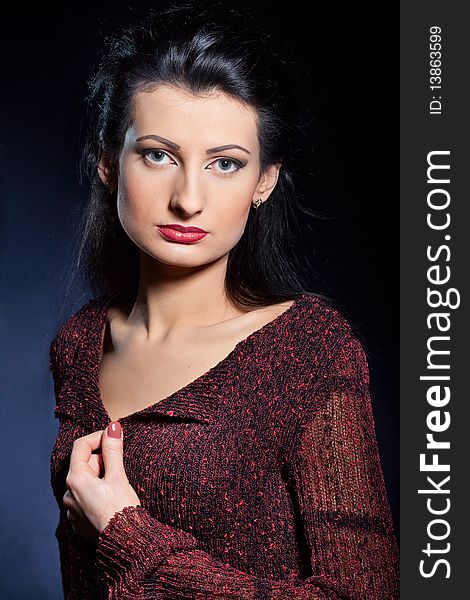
[188, 198]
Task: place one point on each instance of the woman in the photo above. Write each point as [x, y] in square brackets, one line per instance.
[216, 433]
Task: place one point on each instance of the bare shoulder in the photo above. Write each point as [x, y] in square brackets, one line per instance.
[277, 308]
[119, 311]
[262, 315]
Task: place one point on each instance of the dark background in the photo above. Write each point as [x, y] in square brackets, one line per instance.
[347, 53]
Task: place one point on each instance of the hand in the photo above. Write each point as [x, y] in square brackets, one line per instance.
[97, 484]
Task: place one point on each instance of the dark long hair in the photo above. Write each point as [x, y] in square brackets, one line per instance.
[201, 49]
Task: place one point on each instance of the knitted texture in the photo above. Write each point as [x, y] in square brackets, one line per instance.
[260, 479]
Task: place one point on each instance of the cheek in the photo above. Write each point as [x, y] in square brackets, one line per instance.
[134, 211]
[135, 199]
[229, 201]
[129, 211]
[228, 221]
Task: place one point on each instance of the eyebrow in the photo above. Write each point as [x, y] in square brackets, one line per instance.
[176, 146]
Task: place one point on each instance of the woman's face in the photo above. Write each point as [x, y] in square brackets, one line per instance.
[173, 169]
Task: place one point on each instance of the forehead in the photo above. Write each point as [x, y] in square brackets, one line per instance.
[180, 115]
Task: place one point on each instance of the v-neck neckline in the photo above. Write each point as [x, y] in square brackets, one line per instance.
[175, 404]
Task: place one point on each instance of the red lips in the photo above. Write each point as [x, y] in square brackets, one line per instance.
[180, 234]
[183, 228]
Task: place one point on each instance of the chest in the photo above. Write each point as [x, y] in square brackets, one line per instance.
[131, 380]
[134, 375]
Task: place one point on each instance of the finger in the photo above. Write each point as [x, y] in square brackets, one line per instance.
[112, 452]
[83, 448]
[74, 518]
[71, 504]
[96, 463]
[68, 499]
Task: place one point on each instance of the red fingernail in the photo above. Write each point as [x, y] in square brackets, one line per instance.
[114, 429]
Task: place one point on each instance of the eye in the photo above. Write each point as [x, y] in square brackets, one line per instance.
[159, 154]
[226, 164]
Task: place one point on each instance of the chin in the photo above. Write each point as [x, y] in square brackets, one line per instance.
[181, 255]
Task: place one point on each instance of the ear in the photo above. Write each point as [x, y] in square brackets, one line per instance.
[267, 182]
[105, 172]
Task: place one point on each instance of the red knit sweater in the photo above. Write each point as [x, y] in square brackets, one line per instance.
[260, 479]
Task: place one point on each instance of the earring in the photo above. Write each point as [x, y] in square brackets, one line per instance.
[257, 203]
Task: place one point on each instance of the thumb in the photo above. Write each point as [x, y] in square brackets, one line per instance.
[112, 450]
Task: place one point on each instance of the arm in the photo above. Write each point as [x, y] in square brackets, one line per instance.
[56, 350]
[341, 496]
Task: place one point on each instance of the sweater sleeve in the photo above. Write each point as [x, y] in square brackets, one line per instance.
[340, 492]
